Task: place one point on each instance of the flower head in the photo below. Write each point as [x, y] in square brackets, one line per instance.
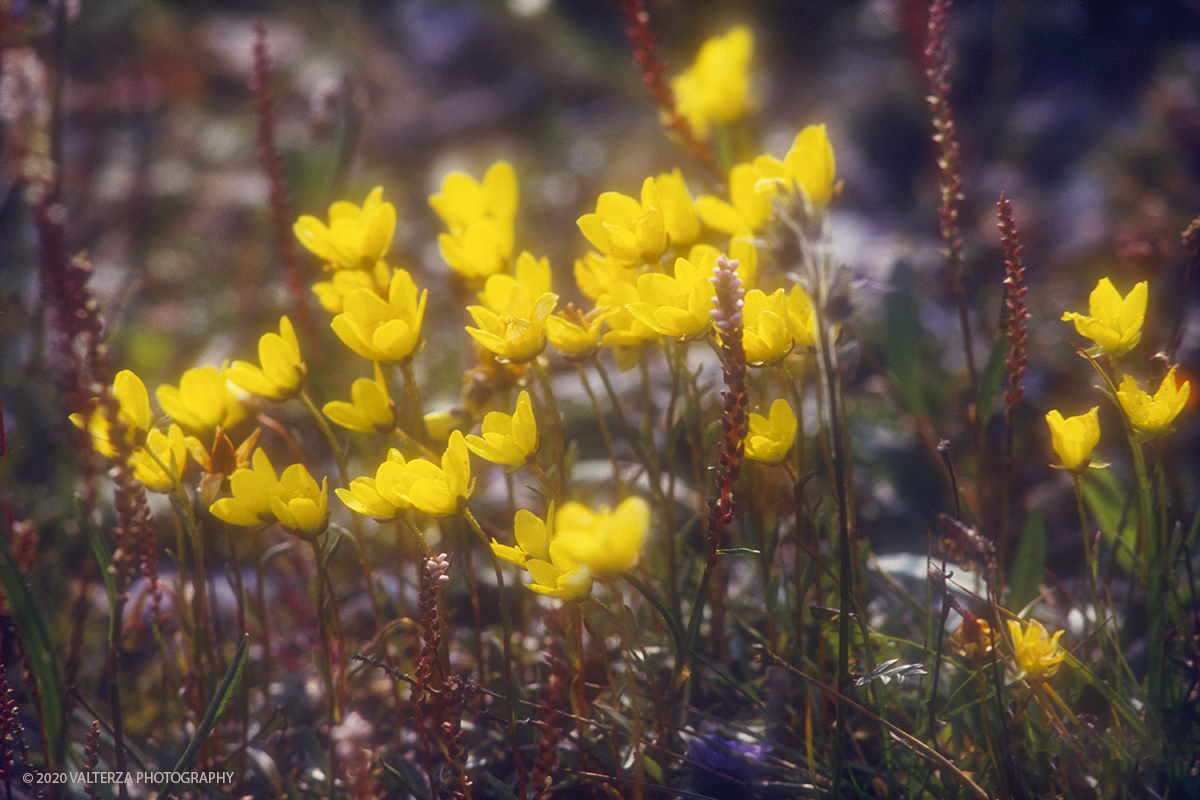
[440, 491]
[509, 440]
[716, 88]
[533, 539]
[202, 401]
[134, 412]
[808, 168]
[332, 293]
[576, 335]
[480, 220]
[299, 504]
[747, 210]
[1038, 654]
[517, 333]
[1152, 416]
[370, 409]
[250, 488]
[765, 336]
[384, 496]
[282, 372]
[385, 331]
[604, 541]
[1074, 437]
[973, 641]
[771, 438]
[355, 237]
[160, 462]
[635, 232]
[1113, 323]
[679, 305]
[561, 576]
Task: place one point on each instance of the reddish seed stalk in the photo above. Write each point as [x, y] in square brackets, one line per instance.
[1014, 302]
[727, 318]
[937, 70]
[268, 156]
[653, 70]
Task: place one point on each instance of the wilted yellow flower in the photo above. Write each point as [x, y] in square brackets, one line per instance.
[716, 88]
[282, 373]
[386, 331]
[808, 168]
[509, 440]
[370, 409]
[299, 504]
[801, 321]
[679, 305]
[480, 219]
[1152, 416]
[517, 333]
[441, 491]
[332, 293]
[770, 439]
[1113, 323]
[250, 502]
[973, 641]
[765, 334]
[1074, 437]
[633, 232]
[604, 541]
[202, 401]
[171, 449]
[355, 237]
[1037, 654]
[134, 412]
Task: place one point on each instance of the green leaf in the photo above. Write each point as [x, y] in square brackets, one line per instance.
[215, 709]
[1112, 509]
[499, 787]
[410, 784]
[1025, 579]
[902, 333]
[739, 551]
[39, 651]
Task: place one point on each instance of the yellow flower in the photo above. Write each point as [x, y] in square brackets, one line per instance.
[355, 237]
[605, 541]
[517, 333]
[134, 412]
[627, 334]
[1074, 437]
[332, 293]
[507, 440]
[679, 212]
[808, 168]
[632, 232]
[575, 335]
[716, 88]
[741, 250]
[679, 306]
[765, 336]
[596, 275]
[171, 448]
[370, 409]
[299, 504]
[746, 212]
[202, 401]
[770, 439]
[282, 373]
[441, 491]
[801, 322]
[386, 331]
[1152, 416]
[480, 219]
[1038, 655]
[250, 503]
[384, 496]
[533, 539]
[561, 577]
[532, 274]
[1113, 323]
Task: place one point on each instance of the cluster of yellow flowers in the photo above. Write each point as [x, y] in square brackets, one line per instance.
[1114, 323]
[648, 277]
